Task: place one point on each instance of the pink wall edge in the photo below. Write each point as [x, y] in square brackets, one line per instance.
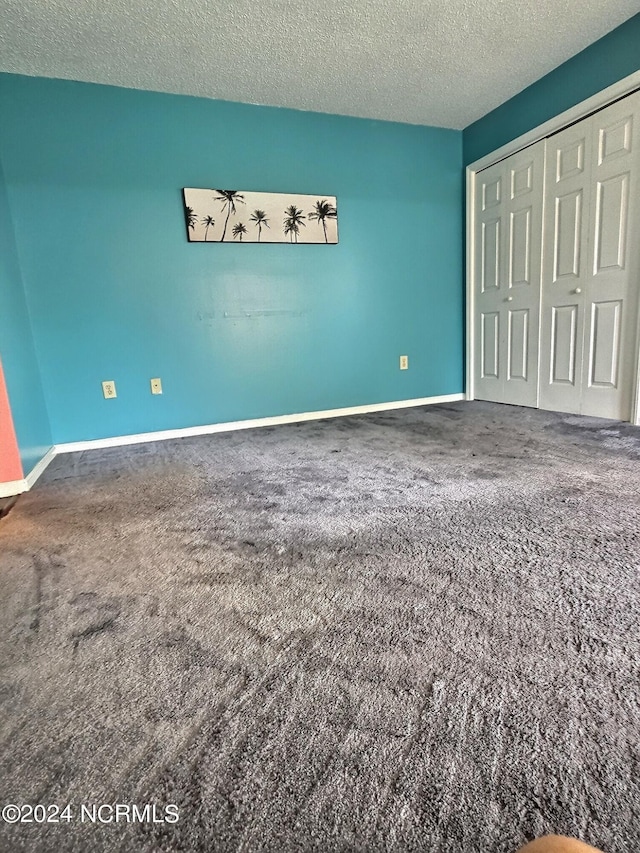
[10, 465]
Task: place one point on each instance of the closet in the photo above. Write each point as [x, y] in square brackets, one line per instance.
[556, 269]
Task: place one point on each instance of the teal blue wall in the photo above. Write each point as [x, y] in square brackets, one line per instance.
[603, 63]
[235, 331]
[17, 351]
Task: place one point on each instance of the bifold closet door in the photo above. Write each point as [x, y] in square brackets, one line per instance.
[508, 227]
[591, 264]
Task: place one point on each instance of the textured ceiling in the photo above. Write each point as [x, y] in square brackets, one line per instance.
[437, 62]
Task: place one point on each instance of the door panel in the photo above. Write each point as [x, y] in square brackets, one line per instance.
[570, 156]
[490, 250]
[604, 344]
[565, 235]
[526, 181]
[521, 180]
[507, 274]
[612, 211]
[614, 140]
[564, 341]
[491, 191]
[611, 297]
[490, 345]
[518, 349]
[489, 277]
[520, 247]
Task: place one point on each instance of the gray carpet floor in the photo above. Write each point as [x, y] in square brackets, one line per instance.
[411, 631]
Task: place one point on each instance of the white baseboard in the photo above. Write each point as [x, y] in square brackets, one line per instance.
[39, 468]
[208, 429]
[13, 487]
[17, 487]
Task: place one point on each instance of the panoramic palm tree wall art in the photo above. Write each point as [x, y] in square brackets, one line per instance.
[240, 216]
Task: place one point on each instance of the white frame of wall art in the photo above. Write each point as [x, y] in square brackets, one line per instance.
[237, 216]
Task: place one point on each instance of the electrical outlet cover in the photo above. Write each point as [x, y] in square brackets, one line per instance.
[109, 389]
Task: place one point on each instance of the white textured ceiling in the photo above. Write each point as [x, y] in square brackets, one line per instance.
[437, 62]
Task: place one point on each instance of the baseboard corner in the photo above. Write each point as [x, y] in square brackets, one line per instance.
[40, 467]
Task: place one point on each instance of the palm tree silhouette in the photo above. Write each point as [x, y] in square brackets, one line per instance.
[190, 217]
[239, 230]
[260, 219]
[292, 221]
[322, 211]
[209, 221]
[229, 199]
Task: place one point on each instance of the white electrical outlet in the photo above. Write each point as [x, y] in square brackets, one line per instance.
[109, 389]
[404, 362]
[156, 386]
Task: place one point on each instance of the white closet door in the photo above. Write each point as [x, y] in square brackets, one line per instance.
[508, 223]
[564, 265]
[524, 212]
[489, 280]
[590, 264]
[611, 296]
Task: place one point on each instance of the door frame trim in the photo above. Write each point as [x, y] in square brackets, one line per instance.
[596, 102]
